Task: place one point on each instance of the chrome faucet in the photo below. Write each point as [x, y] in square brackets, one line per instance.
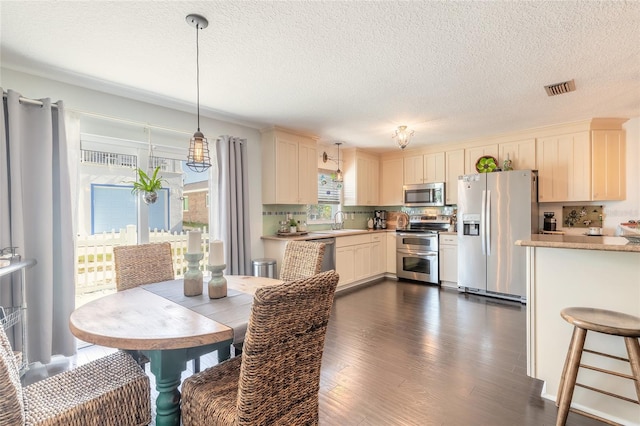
[336, 224]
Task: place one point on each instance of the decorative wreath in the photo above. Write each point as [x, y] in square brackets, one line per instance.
[486, 164]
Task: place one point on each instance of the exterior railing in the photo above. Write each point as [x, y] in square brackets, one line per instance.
[94, 255]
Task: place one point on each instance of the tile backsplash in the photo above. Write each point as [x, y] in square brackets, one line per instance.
[355, 217]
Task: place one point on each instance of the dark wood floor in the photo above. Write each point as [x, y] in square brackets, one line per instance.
[403, 353]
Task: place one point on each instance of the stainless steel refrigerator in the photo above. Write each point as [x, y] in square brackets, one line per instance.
[495, 210]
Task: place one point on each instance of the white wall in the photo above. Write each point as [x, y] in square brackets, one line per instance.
[91, 101]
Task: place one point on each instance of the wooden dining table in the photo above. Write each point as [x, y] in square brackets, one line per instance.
[170, 328]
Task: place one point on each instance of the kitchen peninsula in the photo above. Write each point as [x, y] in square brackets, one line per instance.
[564, 271]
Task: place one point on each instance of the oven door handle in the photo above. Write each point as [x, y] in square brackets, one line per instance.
[417, 253]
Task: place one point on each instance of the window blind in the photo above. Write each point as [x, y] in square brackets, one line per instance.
[328, 190]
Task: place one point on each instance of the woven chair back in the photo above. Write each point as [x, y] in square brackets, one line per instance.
[142, 264]
[280, 371]
[11, 398]
[302, 259]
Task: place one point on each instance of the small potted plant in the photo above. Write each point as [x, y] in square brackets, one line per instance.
[147, 185]
[293, 226]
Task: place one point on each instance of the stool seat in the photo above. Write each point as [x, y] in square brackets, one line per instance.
[603, 321]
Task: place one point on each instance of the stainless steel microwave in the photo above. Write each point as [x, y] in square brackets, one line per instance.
[424, 194]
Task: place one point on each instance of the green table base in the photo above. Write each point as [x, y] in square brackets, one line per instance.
[167, 366]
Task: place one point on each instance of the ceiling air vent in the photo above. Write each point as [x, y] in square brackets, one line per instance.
[560, 88]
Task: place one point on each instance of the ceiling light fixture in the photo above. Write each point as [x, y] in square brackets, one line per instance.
[198, 159]
[402, 136]
[325, 158]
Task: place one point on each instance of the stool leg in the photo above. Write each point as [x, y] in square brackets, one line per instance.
[568, 381]
[565, 367]
[633, 349]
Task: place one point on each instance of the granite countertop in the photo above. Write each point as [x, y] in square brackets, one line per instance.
[583, 242]
[326, 233]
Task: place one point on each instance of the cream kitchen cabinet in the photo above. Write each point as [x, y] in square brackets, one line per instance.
[608, 165]
[361, 178]
[521, 153]
[471, 156]
[583, 165]
[413, 169]
[360, 257]
[434, 167]
[391, 253]
[391, 175]
[424, 168]
[378, 254]
[448, 260]
[454, 168]
[353, 258]
[289, 168]
[345, 264]
[564, 169]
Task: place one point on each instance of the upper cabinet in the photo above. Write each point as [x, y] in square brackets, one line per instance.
[289, 168]
[454, 167]
[413, 169]
[424, 168]
[587, 165]
[471, 155]
[521, 153]
[434, 167]
[391, 173]
[608, 165]
[563, 167]
[361, 178]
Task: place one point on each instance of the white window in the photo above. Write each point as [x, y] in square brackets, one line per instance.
[329, 199]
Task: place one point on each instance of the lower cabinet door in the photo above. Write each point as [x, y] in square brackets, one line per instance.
[362, 261]
[345, 264]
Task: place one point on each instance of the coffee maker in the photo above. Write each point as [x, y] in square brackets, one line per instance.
[549, 221]
[380, 219]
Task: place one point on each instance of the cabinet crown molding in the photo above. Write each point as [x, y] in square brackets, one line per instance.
[276, 129]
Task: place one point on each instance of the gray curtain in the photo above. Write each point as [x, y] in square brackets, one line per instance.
[36, 217]
[233, 210]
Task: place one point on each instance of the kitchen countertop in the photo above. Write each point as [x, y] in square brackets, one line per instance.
[583, 242]
[326, 233]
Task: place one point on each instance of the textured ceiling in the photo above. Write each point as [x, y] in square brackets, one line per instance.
[349, 71]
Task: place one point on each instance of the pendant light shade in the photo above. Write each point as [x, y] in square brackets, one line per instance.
[198, 158]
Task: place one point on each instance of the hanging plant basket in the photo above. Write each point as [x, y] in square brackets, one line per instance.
[150, 197]
[148, 186]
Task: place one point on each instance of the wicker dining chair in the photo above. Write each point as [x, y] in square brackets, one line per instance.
[142, 264]
[277, 378]
[302, 259]
[110, 391]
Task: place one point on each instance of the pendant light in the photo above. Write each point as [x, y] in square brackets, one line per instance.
[325, 158]
[339, 177]
[198, 159]
[402, 136]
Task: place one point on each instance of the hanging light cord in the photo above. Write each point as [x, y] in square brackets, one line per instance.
[198, 72]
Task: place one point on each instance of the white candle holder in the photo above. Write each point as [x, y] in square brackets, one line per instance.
[193, 275]
[218, 283]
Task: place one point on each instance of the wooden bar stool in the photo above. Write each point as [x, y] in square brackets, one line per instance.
[602, 321]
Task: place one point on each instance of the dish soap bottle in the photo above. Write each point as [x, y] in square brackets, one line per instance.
[370, 223]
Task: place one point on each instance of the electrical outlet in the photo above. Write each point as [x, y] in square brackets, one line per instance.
[353, 216]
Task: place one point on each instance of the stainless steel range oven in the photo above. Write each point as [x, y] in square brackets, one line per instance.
[417, 256]
[417, 248]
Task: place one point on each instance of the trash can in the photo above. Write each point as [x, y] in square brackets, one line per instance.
[264, 268]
